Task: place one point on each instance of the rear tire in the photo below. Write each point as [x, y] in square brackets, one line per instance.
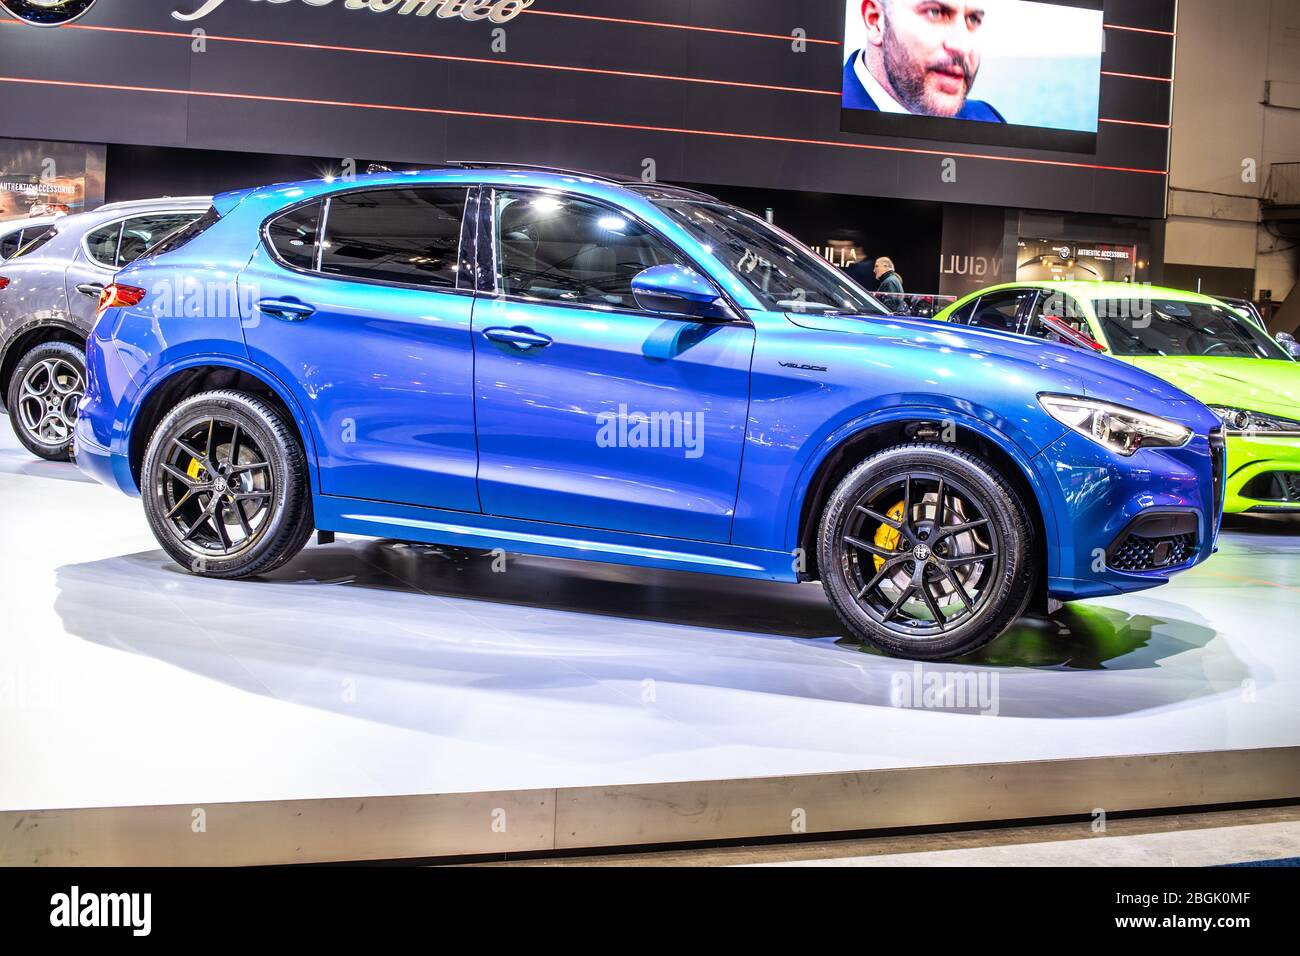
[926, 552]
[43, 395]
[225, 486]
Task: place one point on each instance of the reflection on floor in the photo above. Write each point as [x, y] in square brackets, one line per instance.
[375, 667]
[1224, 838]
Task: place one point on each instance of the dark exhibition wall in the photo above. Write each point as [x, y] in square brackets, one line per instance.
[710, 91]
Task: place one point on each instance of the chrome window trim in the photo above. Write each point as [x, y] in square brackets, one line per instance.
[84, 244]
[324, 201]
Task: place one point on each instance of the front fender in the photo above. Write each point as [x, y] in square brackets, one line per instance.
[994, 429]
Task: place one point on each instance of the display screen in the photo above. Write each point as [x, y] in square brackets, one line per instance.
[1008, 72]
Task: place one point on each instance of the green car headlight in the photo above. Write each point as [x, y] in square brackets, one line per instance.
[1242, 421]
[1120, 429]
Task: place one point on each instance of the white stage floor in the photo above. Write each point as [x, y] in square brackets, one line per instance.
[373, 668]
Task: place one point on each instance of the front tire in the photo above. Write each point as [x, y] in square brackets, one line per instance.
[225, 486]
[44, 392]
[926, 552]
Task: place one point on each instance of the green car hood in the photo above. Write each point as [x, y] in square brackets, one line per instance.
[1271, 386]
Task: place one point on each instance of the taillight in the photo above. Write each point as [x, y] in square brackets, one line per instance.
[115, 296]
[4, 283]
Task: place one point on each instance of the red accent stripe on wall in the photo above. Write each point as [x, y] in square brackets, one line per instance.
[675, 26]
[489, 61]
[599, 124]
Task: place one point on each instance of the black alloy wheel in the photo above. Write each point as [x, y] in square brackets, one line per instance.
[225, 486]
[926, 552]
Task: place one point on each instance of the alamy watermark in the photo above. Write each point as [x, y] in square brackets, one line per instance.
[632, 429]
[976, 690]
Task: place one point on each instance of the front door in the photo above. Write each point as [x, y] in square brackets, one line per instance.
[591, 411]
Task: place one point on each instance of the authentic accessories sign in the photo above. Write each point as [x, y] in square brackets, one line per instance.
[496, 11]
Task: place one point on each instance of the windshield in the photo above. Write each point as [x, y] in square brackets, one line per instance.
[1168, 327]
[784, 275]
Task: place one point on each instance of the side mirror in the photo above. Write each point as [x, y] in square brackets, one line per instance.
[679, 291]
[1288, 342]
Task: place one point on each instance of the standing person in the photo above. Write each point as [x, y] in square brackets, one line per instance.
[890, 288]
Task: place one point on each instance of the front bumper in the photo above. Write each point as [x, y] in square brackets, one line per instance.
[1263, 474]
[1126, 524]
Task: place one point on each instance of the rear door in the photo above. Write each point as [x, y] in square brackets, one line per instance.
[359, 307]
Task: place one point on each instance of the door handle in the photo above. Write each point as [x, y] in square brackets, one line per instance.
[92, 289]
[520, 337]
[286, 309]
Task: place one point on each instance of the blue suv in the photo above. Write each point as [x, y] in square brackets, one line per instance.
[555, 363]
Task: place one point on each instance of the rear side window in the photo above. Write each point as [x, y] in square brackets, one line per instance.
[121, 243]
[410, 236]
[139, 234]
[10, 243]
[293, 236]
[33, 241]
[185, 235]
[102, 244]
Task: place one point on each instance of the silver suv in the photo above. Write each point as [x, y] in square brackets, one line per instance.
[49, 291]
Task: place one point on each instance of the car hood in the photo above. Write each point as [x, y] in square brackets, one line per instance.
[1271, 386]
[1079, 371]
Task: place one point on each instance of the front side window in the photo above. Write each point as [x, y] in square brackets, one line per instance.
[562, 249]
[783, 274]
[1000, 310]
[1057, 305]
[411, 236]
[1139, 326]
[962, 316]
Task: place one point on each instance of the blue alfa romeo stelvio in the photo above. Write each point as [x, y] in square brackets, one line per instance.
[555, 363]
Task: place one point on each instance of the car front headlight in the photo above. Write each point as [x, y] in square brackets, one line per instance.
[1120, 429]
[1241, 420]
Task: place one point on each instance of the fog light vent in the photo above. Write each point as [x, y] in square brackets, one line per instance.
[1140, 553]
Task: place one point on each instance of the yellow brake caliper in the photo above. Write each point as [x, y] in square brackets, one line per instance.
[194, 469]
[886, 537]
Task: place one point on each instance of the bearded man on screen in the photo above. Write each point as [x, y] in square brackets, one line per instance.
[921, 58]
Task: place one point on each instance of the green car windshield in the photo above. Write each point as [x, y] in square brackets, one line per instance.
[1136, 327]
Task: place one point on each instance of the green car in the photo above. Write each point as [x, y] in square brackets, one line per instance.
[1198, 343]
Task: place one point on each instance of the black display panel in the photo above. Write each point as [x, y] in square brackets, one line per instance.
[705, 91]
